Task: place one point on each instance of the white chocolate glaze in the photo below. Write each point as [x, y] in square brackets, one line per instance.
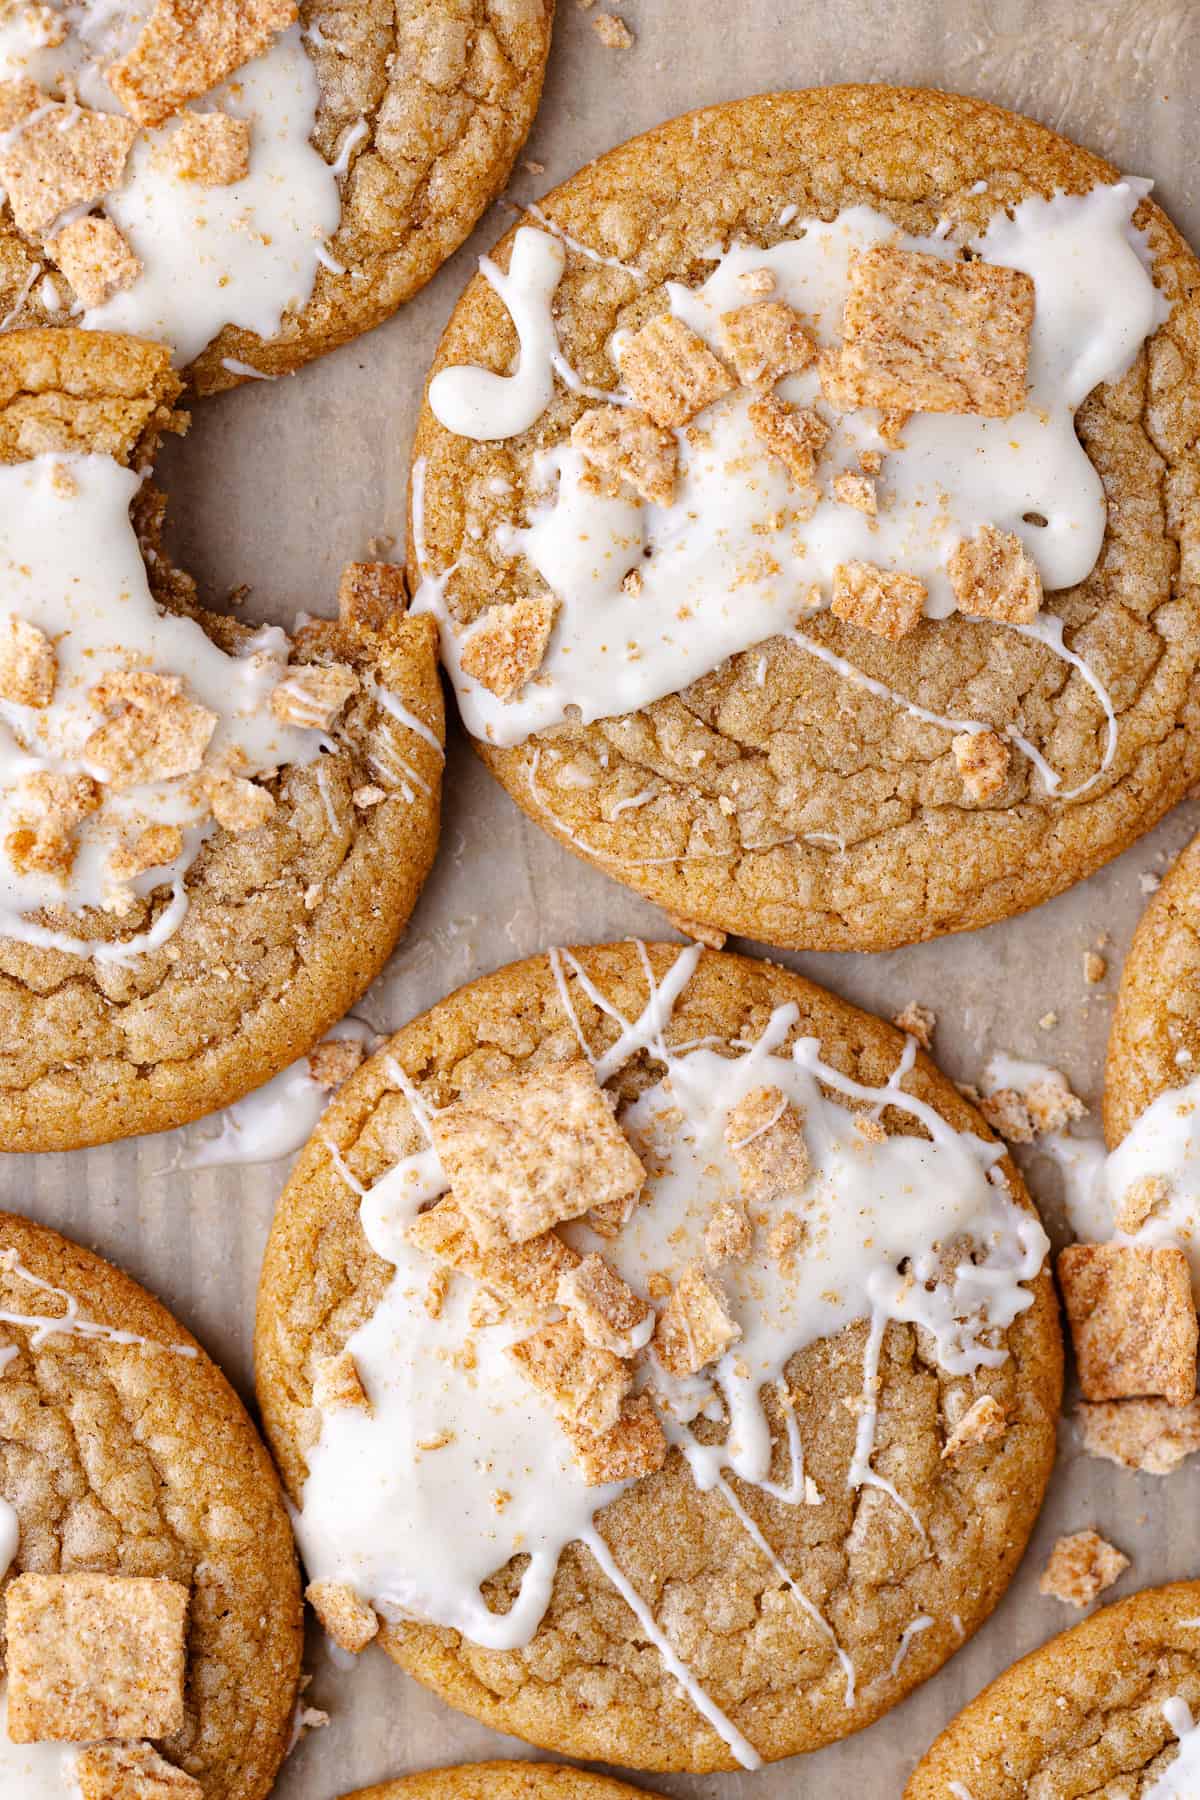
[477, 403]
[1181, 1779]
[72, 1321]
[211, 256]
[418, 1529]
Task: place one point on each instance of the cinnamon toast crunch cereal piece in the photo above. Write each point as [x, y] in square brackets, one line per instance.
[334, 1061]
[623, 445]
[48, 808]
[312, 695]
[728, 1235]
[857, 491]
[794, 435]
[528, 1272]
[157, 733]
[153, 848]
[671, 373]
[634, 1446]
[887, 602]
[337, 1383]
[982, 759]
[984, 1420]
[1080, 1568]
[1151, 1435]
[1007, 1113]
[54, 157]
[1141, 1199]
[94, 1656]
[532, 1150]
[765, 1136]
[919, 1022]
[187, 47]
[1051, 1104]
[586, 1384]
[695, 1327]
[95, 259]
[766, 342]
[131, 1772]
[507, 648]
[28, 664]
[994, 577]
[1132, 1320]
[238, 804]
[932, 335]
[344, 1615]
[211, 148]
[607, 1311]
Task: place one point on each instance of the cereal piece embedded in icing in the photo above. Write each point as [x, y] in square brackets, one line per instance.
[532, 1150]
[528, 1272]
[794, 436]
[984, 1420]
[892, 421]
[187, 47]
[131, 1772]
[1051, 1104]
[1080, 1568]
[95, 259]
[766, 342]
[158, 733]
[1150, 1435]
[54, 157]
[48, 808]
[608, 1312]
[729, 1235]
[623, 445]
[671, 373]
[152, 848]
[870, 461]
[886, 602]
[994, 577]
[613, 33]
[1007, 1114]
[756, 281]
[28, 665]
[634, 1447]
[919, 1022]
[586, 1384]
[371, 593]
[334, 1061]
[311, 695]
[1132, 1318]
[1141, 1199]
[211, 148]
[506, 648]
[982, 759]
[337, 1383]
[765, 1136]
[857, 491]
[94, 1656]
[695, 1327]
[344, 1615]
[932, 335]
[238, 804]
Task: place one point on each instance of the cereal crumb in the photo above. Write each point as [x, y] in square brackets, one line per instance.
[919, 1022]
[1094, 967]
[984, 1420]
[1132, 1319]
[608, 1312]
[886, 602]
[728, 1235]
[994, 577]
[334, 1061]
[766, 342]
[1143, 1197]
[670, 372]
[1150, 1435]
[1080, 1568]
[345, 1617]
[95, 259]
[337, 1383]
[756, 281]
[982, 760]
[857, 491]
[506, 648]
[613, 33]
[695, 1327]
[210, 148]
[28, 665]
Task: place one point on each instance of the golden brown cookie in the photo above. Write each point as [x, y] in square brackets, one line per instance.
[1083, 1715]
[288, 919]
[775, 796]
[498, 1781]
[135, 1487]
[791, 1614]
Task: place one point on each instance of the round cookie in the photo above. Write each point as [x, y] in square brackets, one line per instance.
[499, 1781]
[125, 1453]
[379, 133]
[778, 793]
[1084, 1714]
[790, 1613]
[218, 972]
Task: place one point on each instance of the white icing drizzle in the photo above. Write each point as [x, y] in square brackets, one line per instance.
[1181, 1779]
[418, 1529]
[71, 1322]
[960, 1790]
[477, 403]
[913, 1629]
[582, 249]
[246, 370]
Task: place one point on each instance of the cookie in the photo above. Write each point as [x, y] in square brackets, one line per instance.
[210, 837]
[797, 571]
[542, 1509]
[1106, 1708]
[499, 1781]
[150, 1588]
[252, 184]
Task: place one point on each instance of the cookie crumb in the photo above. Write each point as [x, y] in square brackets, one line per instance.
[984, 1420]
[756, 281]
[1094, 967]
[367, 796]
[764, 1133]
[994, 577]
[28, 665]
[334, 1060]
[695, 1327]
[1150, 1435]
[766, 342]
[1048, 1021]
[153, 848]
[95, 259]
[886, 602]
[506, 648]
[613, 33]
[918, 1022]
[670, 372]
[1080, 1568]
[982, 760]
[209, 148]
[370, 593]
[345, 1616]
[700, 934]
[48, 808]
[311, 695]
[1132, 1319]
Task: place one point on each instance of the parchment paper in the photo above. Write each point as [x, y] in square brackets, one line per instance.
[277, 486]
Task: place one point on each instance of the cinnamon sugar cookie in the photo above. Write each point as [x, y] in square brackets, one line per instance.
[149, 1589]
[252, 184]
[800, 494]
[210, 837]
[1104, 1709]
[659, 1355]
[499, 1781]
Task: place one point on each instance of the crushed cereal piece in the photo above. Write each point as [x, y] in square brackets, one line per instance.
[884, 601]
[695, 1327]
[153, 848]
[613, 33]
[1094, 967]
[131, 1772]
[1007, 1114]
[857, 491]
[785, 1234]
[95, 259]
[187, 46]
[28, 665]
[506, 648]
[994, 577]
[586, 1384]
[1142, 1198]
[919, 1022]
[238, 804]
[534, 1149]
[345, 1616]
[892, 421]
[1150, 1435]
[634, 1447]
[983, 1420]
[729, 1235]
[1080, 1568]
[312, 695]
[48, 808]
[932, 335]
[1132, 1318]
[982, 760]
[334, 1061]
[766, 342]
[870, 461]
[1052, 1106]
[794, 435]
[211, 148]
[625, 445]
[55, 157]
[609, 1314]
[157, 733]
[94, 1656]
[873, 1131]
[671, 373]
[765, 1136]
[610, 1218]
[370, 593]
[529, 1272]
[756, 281]
[336, 1382]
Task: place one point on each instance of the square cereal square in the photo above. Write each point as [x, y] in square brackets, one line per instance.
[1132, 1320]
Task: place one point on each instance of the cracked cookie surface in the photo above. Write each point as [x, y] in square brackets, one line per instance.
[134, 1459]
[703, 800]
[589, 1683]
[498, 1781]
[287, 924]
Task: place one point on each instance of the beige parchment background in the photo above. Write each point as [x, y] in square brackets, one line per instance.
[277, 486]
